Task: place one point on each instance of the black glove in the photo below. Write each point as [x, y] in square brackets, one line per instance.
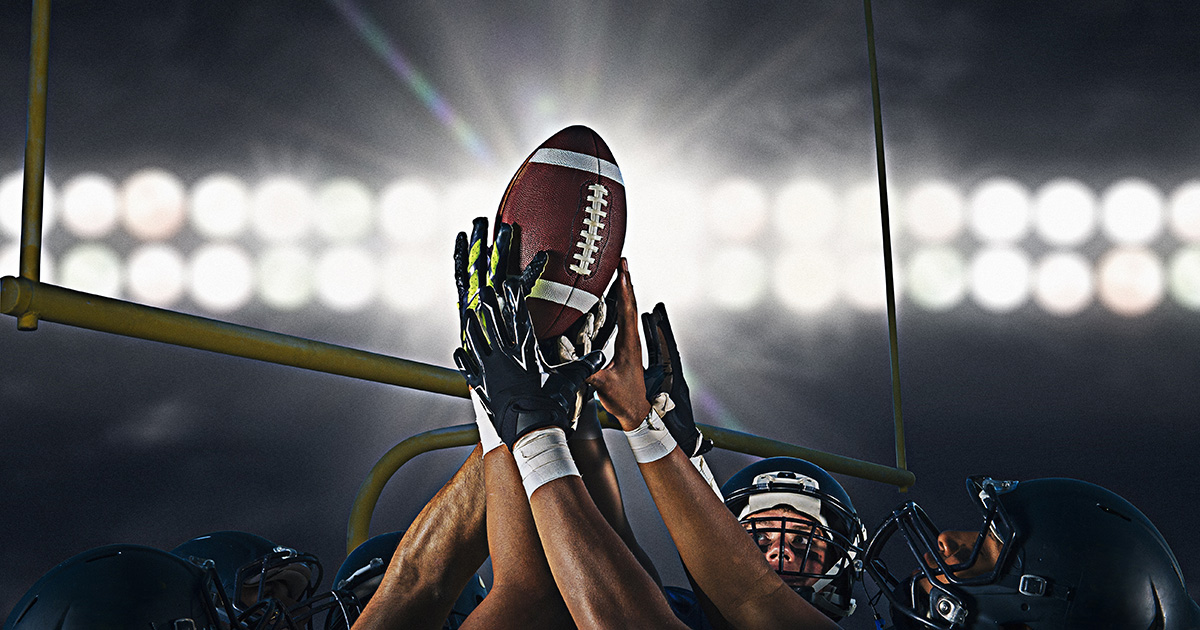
[476, 265]
[507, 371]
[591, 332]
[665, 374]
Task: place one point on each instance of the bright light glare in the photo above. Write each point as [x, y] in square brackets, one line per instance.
[1130, 281]
[408, 284]
[1000, 278]
[806, 211]
[737, 210]
[668, 236]
[1132, 212]
[89, 205]
[343, 212]
[1185, 212]
[1062, 284]
[937, 278]
[220, 277]
[863, 282]
[346, 278]
[861, 216]
[737, 278]
[156, 275]
[92, 268]
[409, 212]
[934, 212]
[220, 206]
[10, 263]
[281, 210]
[152, 204]
[806, 281]
[12, 195]
[285, 277]
[1184, 274]
[999, 211]
[1065, 212]
[464, 201]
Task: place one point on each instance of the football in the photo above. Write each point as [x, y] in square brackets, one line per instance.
[567, 199]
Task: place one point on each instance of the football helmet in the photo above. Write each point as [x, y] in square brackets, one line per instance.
[267, 585]
[1050, 553]
[360, 574]
[123, 586]
[816, 554]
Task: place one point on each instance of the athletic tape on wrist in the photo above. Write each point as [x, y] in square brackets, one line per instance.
[488, 436]
[542, 456]
[702, 466]
[650, 441]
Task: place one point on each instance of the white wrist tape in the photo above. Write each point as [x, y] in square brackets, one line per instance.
[650, 441]
[488, 436]
[542, 456]
[702, 466]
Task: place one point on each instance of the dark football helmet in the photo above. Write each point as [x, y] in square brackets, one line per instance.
[123, 586]
[1050, 553]
[817, 553]
[360, 574]
[268, 585]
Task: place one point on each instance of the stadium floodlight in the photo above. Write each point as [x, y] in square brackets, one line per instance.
[89, 205]
[344, 210]
[285, 277]
[737, 210]
[1000, 278]
[933, 212]
[410, 212]
[736, 278]
[220, 207]
[806, 280]
[806, 211]
[413, 281]
[1130, 281]
[92, 268]
[152, 204]
[863, 282]
[1132, 212]
[861, 219]
[10, 262]
[347, 278]
[1184, 274]
[11, 197]
[281, 209]
[156, 275]
[936, 278]
[999, 210]
[1064, 212]
[1063, 284]
[220, 277]
[1185, 212]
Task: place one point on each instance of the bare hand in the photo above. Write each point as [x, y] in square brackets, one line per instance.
[621, 385]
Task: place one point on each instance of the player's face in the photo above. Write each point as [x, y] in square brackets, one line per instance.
[955, 547]
[787, 540]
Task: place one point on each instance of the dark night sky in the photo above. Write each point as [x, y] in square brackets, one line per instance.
[108, 439]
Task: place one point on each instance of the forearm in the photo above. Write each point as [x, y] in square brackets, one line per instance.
[724, 561]
[440, 551]
[601, 580]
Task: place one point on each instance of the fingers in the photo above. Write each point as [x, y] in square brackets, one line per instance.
[476, 260]
[501, 246]
[533, 271]
[629, 347]
[668, 337]
[460, 268]
[650, 329]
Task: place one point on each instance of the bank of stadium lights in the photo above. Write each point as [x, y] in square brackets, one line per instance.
[346, 247]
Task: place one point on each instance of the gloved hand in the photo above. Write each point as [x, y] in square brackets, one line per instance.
[507, 371]
[477, 266]
[591, 333]
[664, 375]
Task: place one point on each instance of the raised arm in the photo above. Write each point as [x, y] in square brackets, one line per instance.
[719, 555]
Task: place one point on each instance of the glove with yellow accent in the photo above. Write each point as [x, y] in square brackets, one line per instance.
[476, 265]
